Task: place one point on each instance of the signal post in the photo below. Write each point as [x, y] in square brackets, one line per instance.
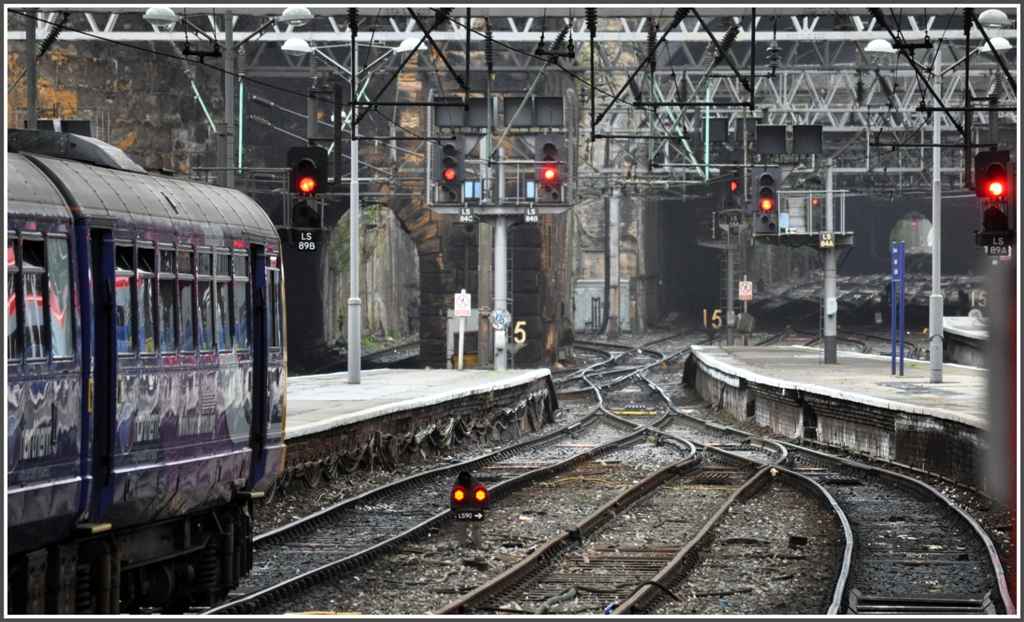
[773, 225]
[995, 183]
[469, 502]
[497, 190]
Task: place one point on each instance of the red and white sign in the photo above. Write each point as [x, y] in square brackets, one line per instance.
[462, 304]
[746, 290]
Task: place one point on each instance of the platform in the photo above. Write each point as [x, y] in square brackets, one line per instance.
[857, 403]
[324, 401]
[965, 340]
[395, 416]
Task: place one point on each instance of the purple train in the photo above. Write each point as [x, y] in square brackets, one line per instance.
[146, 375]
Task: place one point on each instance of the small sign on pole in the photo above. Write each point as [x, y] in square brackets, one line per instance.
[463, 304]
[462, 308]
[746, 290]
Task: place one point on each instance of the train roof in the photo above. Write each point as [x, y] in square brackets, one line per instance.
[72, 146]
[30, 192]
[145, 202]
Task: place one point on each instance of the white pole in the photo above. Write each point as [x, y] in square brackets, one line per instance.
[935, 300]
[355, 318]
[462, 336]
[462, 333]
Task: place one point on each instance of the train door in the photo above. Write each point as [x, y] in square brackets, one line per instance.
[260, 401]
[105, 370]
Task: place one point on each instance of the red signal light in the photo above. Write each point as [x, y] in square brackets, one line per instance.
[449, 174]
[307, 185]
[480, 494]
[766, 205]
[549, 173]
[459, 494]
[996, 189]
[734, 186]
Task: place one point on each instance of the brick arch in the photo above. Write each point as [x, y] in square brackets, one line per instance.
[428, 231]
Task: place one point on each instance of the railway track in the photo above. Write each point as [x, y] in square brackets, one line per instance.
[307, 552]
[641, 507]
[636, 549]
[916, 551]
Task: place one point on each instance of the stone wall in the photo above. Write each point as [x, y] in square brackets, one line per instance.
[411, 435]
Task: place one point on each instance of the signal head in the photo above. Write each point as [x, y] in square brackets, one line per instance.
[307, 185]
[463, 499]
[458, 494]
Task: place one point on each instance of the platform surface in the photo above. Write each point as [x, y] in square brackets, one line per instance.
[324, 401]
[966, 327]
[862, 378]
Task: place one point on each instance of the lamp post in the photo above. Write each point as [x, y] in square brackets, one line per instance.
[300, 47]
[355, 310]
[935, 332]
[935, 300]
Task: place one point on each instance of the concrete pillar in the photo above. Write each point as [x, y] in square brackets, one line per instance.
[500, 285]
[483, 335]
[613, 262]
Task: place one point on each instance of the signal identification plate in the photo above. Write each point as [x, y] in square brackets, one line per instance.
[469, 515]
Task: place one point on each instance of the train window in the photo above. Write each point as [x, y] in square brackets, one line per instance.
[224, 326]
[222, 268]
[147, 300]
[168, 343]
[13, 302]
[241, 297]
[33, 263]
[223, 265]
[186, 296]
[62, 329]
[168, 336]
[166, 262]
[206, 319]
[205, 264]
[124, 274]
[185, 263]
[274, 300]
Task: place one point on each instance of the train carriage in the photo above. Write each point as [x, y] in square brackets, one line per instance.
[146, 375]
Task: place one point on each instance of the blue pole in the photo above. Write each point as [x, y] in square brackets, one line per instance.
[903, 247]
